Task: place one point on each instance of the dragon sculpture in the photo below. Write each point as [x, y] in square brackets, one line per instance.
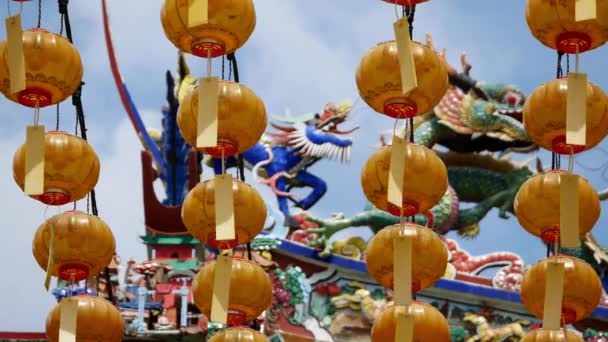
[282, 158]
[479, 123]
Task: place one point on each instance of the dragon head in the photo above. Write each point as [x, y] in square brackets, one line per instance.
[506, 98]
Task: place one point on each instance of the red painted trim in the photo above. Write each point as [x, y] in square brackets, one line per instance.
[22, 335]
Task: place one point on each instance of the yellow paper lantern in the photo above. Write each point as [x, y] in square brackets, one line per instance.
[582, 288]
[71, 168]
[250, 290]
[546, 335]
[429, 324]
[230, 24]
[240, 334]
[84, 245]
[53, 69]
[198, 213]
[379, 81]
[537, 206]
[97, 320]
[544, 116]
[425, 180]
[241, 119]
[553, 24]
[429, 257]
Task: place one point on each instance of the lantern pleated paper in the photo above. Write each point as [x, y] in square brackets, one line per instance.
[537, 206]
[53, 69]
[241, 119]
[546, 335]
[250, 290]
[425, 180]
[71, 168]
[429, 257]
[229, 24]
[379, 81]
[83, 245]
[554, 24]
[544, 116]
[199, 210]
[240, 334]
[96, 320]
[581, 294]
[429, 324]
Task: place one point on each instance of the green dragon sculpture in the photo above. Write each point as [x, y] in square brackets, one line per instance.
[474, 121]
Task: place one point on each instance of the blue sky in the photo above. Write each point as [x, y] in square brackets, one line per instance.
[302, 55]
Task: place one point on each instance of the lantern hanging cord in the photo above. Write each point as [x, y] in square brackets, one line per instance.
[410, 12]
[559, 72]
[39, 13]
[223, 66]
[57, 119]
[80, 118]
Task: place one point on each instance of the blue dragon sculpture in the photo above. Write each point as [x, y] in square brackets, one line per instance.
[283, 157]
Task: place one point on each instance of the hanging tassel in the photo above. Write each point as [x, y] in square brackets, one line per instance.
[16, 60]
[576, 114]
[585, 10]
[198, 13]
[68, 319]
[402, 282]
[207, 121]
[554, 291]
[224, 208]
[221, 289]
[569, 210]
[34, 160]
[50, 263]
[409, 81]
[397, 169]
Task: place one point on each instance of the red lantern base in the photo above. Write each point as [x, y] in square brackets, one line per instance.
[560, 146]
[236, 318]
[409, 209]
[29, 97]
[568, 316]
[226, 145]
[208, 48]
[405, 2]
[223, 244]
[568, 41]
[551, 234]
[54, 196]
[400, 109]
[75, 272]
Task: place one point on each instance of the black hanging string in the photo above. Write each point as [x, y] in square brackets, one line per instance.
[57, 119]
[39, 13]
[223, 66]
[410, 12]
[559, 73]
[80, 119]
[549, 249]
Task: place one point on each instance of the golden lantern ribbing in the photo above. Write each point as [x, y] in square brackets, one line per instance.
[250, 290]
[230, 24]
[429, 324]
[429, 257]
[545, 335]
[71, 168]
[97, 320]
[582, 288]
[379, 81]
[53, 69]
[425, 180]
[241, 119]
[537, 206]
[240, 334]
[553, 24]
[544, 116]
[84, 245]
[199, 210]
